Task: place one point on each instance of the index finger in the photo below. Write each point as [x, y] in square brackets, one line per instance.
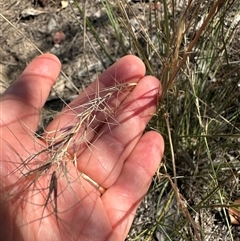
[23, 100]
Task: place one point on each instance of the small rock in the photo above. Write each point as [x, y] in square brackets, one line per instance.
[59, 37]
[28, 12]
[51, 26]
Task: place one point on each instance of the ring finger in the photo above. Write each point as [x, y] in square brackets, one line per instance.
[104, 158]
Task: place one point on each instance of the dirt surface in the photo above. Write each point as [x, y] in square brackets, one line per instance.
[44, 26]
[58, 29]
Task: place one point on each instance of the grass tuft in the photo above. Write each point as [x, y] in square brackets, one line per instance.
[192, 47]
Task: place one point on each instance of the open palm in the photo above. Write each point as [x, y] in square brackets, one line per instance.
[50, 200]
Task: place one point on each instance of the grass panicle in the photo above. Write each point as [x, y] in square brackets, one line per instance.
[192, 47]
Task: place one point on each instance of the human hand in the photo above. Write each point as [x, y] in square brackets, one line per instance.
[43, 193]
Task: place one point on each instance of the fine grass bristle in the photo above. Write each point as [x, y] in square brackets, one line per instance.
[193, 48]
[47, 173]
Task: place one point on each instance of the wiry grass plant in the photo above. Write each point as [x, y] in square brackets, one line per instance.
[187, 45]
[190, 47]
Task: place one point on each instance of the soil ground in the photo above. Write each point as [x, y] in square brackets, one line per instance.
[59, 30]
